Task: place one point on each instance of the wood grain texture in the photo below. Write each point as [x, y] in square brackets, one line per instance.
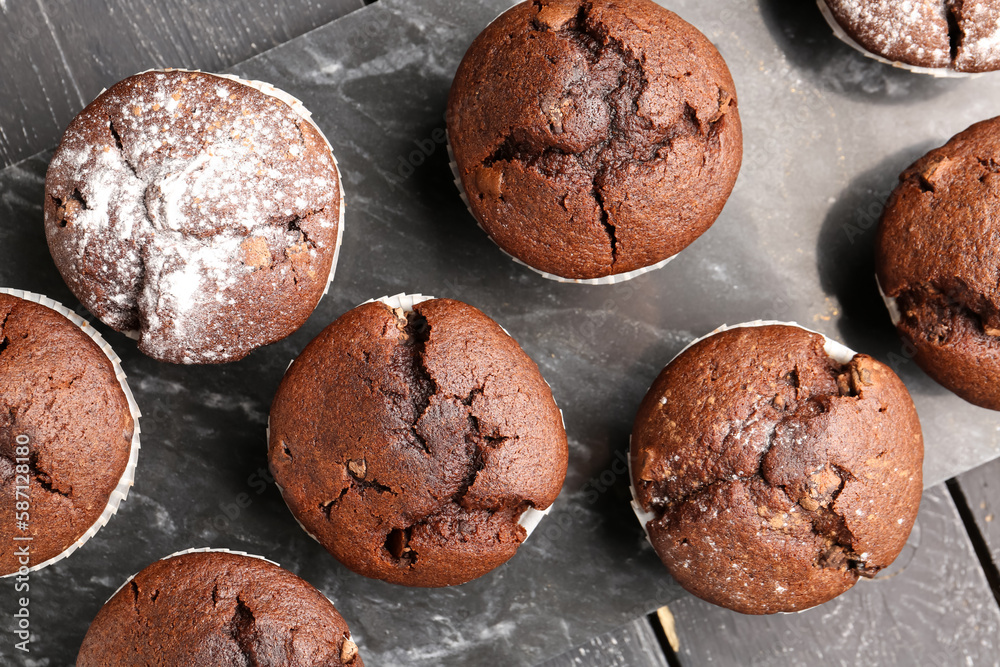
[59, 54]
[932, 607]
[981, 487]
[632, 645]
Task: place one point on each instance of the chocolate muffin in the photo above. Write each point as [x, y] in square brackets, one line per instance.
[594, 138]
[947, 35]
[217, 608]
[410, 444]
[937, 259]
[771, 475]
[197, 211]
[66, 434]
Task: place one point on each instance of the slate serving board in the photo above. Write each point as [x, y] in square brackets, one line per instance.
[827, 132]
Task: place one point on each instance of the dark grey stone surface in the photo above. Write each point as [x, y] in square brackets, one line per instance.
[632, 645]
[826, 133]
[58, 54]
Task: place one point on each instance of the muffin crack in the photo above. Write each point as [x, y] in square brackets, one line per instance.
[397, 543]
[422, 385]
[972, 35]
[477, 465]
[42, 477]
[956, 35]
[49, 484]
[816, 496]
[932, 309]
[609, 228]
[4, 338]
[361, 487]
[134, 587]
[630, 139]
[243, 631]
[359, 482]
[990, 165]
[294, 225]
[120, 147]
[811, 496]
[68, 208]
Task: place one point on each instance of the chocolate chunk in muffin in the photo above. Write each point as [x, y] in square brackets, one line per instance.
[410, 444]
[65, 432]
[938, 262]
[594, 138]
[773, 475]
[218, 608]
[956, 35]
[200, 212]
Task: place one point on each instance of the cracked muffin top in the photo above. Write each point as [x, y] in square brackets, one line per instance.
[594, 138]
[937, 259]
[410, 444]
[963, 35]
[65, 430]
[773, 475]
[196, 212]
[217, 608]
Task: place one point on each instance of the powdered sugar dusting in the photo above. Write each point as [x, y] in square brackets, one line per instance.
[913, 31]
[980, 48]
[938, 37]
[195, 189]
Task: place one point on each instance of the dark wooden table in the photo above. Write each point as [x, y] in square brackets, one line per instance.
[57, 55]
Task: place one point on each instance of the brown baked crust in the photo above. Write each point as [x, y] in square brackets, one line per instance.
[594, 138]
[195, 210]
[410, 445]
[938, 255]
[939, 34]
[59, 389]
[777, 476]
[216, 608]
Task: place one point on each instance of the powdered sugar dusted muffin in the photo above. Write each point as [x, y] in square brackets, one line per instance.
[774, 468]
[200, 212]
[957, 35]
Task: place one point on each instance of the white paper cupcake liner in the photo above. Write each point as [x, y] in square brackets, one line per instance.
[890, 304]
[300, 110]
[938, 72]
[835, 350]
[604, 280]
[127, 479]
[531, 517]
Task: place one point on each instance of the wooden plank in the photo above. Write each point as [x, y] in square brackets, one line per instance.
[981, 487]
[632, 645]
[59, 54]
[932, 607]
